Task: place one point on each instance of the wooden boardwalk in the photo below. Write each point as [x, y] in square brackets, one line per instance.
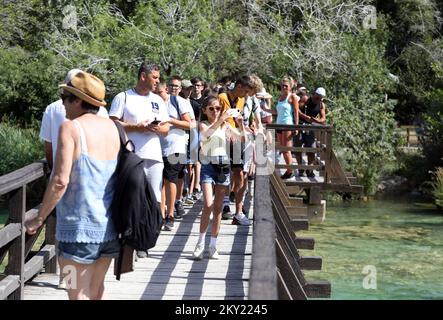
[170, 272]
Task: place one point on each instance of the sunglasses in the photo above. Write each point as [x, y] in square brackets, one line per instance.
[284, 86]
[65, 96]
[212, 109]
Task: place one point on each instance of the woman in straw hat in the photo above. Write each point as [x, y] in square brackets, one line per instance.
[82, 187]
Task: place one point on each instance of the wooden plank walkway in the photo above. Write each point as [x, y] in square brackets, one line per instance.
[170, 272]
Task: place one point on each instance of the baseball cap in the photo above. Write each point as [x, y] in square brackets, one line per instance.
[186, 84]
[321, 92]
[71, 74]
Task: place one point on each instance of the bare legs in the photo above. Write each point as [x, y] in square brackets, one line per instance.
[85, 281]
[285, 140]
[213, 206]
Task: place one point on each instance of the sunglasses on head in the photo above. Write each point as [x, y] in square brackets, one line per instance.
[212, 108]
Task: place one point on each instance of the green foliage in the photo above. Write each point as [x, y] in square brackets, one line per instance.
[321, 45]
[432, 140]
[19, 147]
[437, 187]
[414, 167]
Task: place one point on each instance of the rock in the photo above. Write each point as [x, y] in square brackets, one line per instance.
[395, 184]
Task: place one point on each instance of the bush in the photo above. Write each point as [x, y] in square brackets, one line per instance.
[18, 147]
[414, 167]
[437, 188]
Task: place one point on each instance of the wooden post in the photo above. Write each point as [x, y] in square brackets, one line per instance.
[328, 157]
[16, 265]
[51, 266]
[315, 195]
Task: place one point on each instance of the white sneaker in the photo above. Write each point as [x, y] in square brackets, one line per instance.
[198, 252]
[213, 254]
[244, 221]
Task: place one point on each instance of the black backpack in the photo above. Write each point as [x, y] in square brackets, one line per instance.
[135, 211]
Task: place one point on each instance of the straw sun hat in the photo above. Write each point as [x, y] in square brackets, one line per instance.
[263, 94]
[87, 87]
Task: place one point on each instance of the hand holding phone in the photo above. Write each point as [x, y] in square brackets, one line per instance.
[234, 113]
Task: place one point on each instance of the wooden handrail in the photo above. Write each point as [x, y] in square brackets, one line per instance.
[263, 278]
[276, 271]
[13, 238]
[22, 177]
[307, 127]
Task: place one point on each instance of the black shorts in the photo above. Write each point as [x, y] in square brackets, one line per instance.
[305, 139]
[175, 170]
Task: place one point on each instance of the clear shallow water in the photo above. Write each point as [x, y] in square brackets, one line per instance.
[403, 240]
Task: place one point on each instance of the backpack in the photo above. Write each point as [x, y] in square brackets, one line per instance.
[135, 211]
[174, 102]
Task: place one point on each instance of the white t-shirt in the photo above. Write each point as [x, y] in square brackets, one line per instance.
[53, 117]
[252, 105]
[137, 109]
[175, 141]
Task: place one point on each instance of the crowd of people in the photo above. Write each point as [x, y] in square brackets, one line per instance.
[197, 140]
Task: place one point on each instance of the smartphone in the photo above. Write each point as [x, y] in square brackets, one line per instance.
[155, 122]
[234, 113]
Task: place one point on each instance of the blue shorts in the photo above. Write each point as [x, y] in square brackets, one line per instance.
[208, 174]
[88, 253]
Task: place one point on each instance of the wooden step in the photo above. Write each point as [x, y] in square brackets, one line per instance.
[310, 263]
[318, 289]
[299, 224]
[296, 200]
[297, 211]
[300, 167]
[352, 180]
[305, 243]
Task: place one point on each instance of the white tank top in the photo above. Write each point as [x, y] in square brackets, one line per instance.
[215, 145]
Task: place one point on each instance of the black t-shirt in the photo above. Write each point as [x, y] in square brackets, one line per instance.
[312, 109]
[196, 106]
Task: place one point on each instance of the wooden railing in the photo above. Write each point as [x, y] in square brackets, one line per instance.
[411, 138]
[276, 270]
[263, 278]
[23, 264]
[334, 177]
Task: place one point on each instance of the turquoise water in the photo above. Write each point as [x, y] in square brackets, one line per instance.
[401, 241]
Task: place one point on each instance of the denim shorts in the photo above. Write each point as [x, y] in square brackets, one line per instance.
[208, 174]
[88, 253]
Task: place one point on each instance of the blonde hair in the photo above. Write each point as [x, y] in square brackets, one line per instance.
[257, 83]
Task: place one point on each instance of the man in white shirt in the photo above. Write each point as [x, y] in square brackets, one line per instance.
[174, 148]
[145, 118]
[53, 117]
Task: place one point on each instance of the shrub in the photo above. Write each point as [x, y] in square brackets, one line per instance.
[437, 188]
[19, 147]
